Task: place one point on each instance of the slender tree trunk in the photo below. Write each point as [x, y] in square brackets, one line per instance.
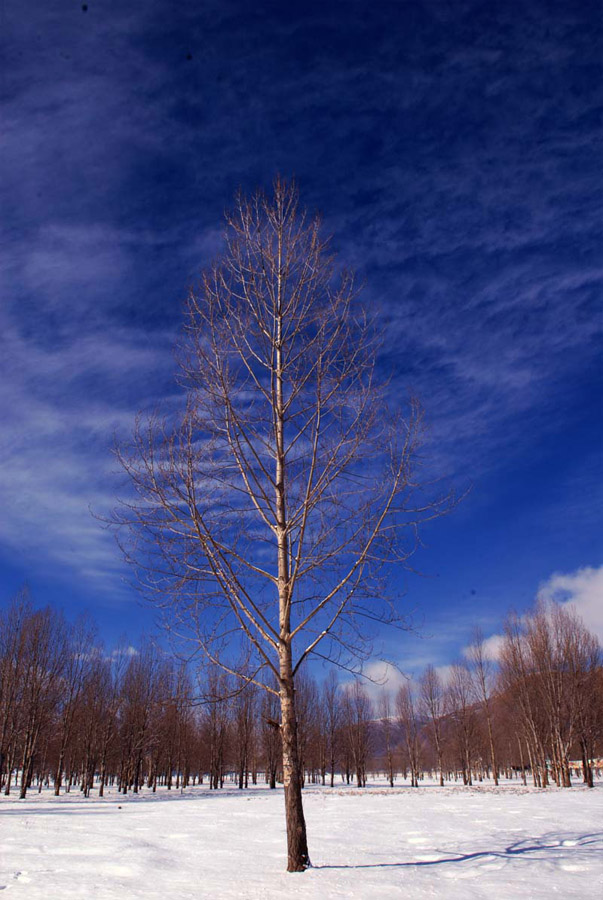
[298, 858]
[587, 769]
[493, 759]
[523, 768]
[58, 778]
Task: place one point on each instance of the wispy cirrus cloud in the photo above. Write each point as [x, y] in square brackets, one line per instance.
[453, 150]
[61, 411]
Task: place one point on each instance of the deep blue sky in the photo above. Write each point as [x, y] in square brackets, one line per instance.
[454, 149]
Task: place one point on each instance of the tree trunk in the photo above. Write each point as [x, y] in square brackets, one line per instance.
[587, 769]
[493, 759]
[297, 846]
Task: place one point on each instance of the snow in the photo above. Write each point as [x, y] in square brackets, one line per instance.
[456, 843]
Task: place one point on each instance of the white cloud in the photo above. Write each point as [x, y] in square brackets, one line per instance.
[491, 648]
[60, 408]
[444, 672]
[582, 590]
[128, 651]
[382, 676]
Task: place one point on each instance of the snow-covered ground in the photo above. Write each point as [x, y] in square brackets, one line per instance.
[456, 843]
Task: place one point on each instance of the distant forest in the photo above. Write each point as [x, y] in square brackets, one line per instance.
[75, 717]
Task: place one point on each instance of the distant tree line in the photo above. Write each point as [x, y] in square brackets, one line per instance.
[537, 711]
[73, 716]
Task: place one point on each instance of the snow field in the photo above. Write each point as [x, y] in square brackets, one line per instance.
[456, 843]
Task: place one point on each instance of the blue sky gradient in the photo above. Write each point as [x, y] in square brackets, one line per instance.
[454, 150]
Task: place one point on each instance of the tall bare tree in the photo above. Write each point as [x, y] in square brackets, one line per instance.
[271, 742]
[266, 512]
[80, 639]
[483, 675]
[356, 720]
[406, 708]
[387, 727]
[12, 682]
[244, 709]
[551, 663]
[460, 707]
[587, 695]
[432, 709]
[332, 714]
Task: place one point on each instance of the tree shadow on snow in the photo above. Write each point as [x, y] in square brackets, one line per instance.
[548, 844]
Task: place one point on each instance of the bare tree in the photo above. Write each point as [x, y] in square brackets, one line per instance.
[244, 708]
[141, 693]
[483, 675]
[406, 709]
[217, 695]
[459, 702]
[109, 673]
[551, 664]
[518, 682]
[80, 640]
[271, 743]
[12, 672]
[587, 696]
[356, 719]
[306, 707]
[45, 653]
[387, 726]
[332, 714]
[432, 709]
[265, 514]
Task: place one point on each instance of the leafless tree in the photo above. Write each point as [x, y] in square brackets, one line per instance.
[77, 659]
[12, 663]
[320, 756]
[406, 709]
[306, 700]
[141, 692]
[271, 741]
[431, 706]
[109, 672]
[586, 674]
[244, 710]
[44, 656]
[547, 632]
[460, 707]
[331, 703]
[267, 511]
[483, 679]
[356, 720]
[387, 729]
[550, 663]
[216, 725]
[518, 688]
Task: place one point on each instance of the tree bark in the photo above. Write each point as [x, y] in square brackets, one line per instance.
[298, 858]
